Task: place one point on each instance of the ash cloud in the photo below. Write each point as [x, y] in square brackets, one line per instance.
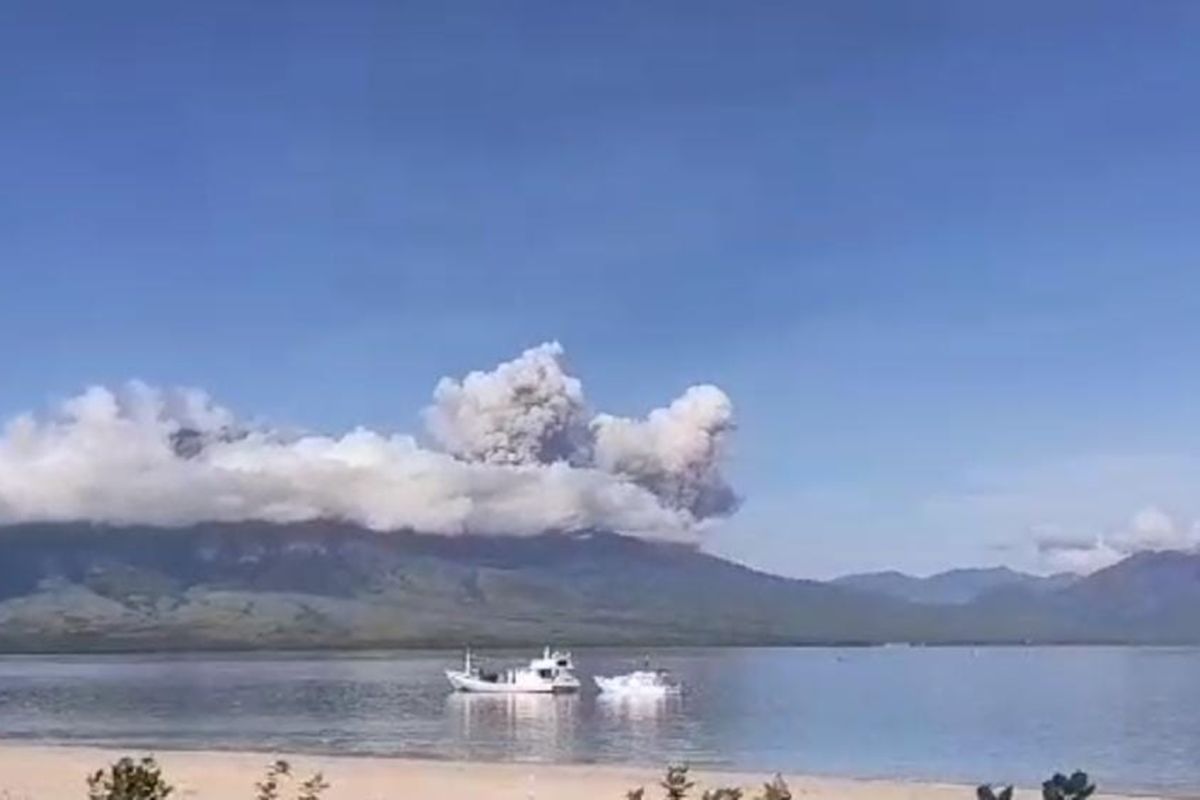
[526, 411]
[675, 452]
[518, 452]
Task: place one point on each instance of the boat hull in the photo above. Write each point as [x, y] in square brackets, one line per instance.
[463, 682]
[635, 685]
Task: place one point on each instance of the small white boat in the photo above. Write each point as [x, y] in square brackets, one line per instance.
[642, 683]
[553, 673]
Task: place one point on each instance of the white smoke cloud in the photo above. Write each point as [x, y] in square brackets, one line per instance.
[526, 411]
[517, 460]
[675, 452]
[1078, 555]
[1151, 528]
[1154, 529]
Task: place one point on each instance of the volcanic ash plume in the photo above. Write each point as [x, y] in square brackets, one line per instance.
[519, 455]
[526, 411]
[675, 452]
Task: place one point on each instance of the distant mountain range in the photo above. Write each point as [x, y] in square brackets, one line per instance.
[326, 584]
[954, 587]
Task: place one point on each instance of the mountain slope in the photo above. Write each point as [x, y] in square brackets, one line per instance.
[77, 586]
[1150, 596]
[956, 586]
[330, 584]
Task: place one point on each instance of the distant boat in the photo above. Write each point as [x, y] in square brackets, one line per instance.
[642, 683]
[553, 673]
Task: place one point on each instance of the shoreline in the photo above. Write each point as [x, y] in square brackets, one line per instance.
[48, 771]
[421, 646]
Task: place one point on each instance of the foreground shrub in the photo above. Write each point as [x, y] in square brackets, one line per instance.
[268, 787]
[985, 792]
[142, 780]
[281, 771]
[676, 784]
[777, 789]
[1060, 787]
[129, 780]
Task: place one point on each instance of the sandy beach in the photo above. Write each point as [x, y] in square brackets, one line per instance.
[58, 773]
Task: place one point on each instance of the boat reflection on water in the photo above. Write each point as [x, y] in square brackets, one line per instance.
[643, 719]
[547, 727]
[637, 709]
[539, 727]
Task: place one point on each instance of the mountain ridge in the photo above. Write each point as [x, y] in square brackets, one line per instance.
[333, 584]
[77, 586]
[954, 586]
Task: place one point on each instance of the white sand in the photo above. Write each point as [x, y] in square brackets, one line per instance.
[58, 773]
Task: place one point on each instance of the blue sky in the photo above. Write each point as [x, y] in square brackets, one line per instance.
[943, 256]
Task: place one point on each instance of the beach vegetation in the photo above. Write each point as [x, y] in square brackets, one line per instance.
[129, 780]
[777, 789]
[268, 787]
[988, 792]
[280, 772]
[1060, 787]
[676, 785]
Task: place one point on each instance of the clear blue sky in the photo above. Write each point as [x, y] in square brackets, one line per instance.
[945, 256]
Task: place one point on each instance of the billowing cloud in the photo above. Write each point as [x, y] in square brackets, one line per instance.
[1074, 513]
[675, 452]
[1151, 528]
[1078, 555]
[516, 458]
[1154, 529]
[526, 411]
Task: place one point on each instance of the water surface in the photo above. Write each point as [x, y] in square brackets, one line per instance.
[1131, 716]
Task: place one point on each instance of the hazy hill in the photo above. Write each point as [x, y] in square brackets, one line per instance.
[329, 584]
[77, 586]
[955, 586]
[1150, 597]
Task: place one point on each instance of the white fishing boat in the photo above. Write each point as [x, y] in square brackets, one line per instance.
[553, 673]
[642, 683]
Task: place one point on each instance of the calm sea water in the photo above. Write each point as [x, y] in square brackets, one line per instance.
[1129, 716]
